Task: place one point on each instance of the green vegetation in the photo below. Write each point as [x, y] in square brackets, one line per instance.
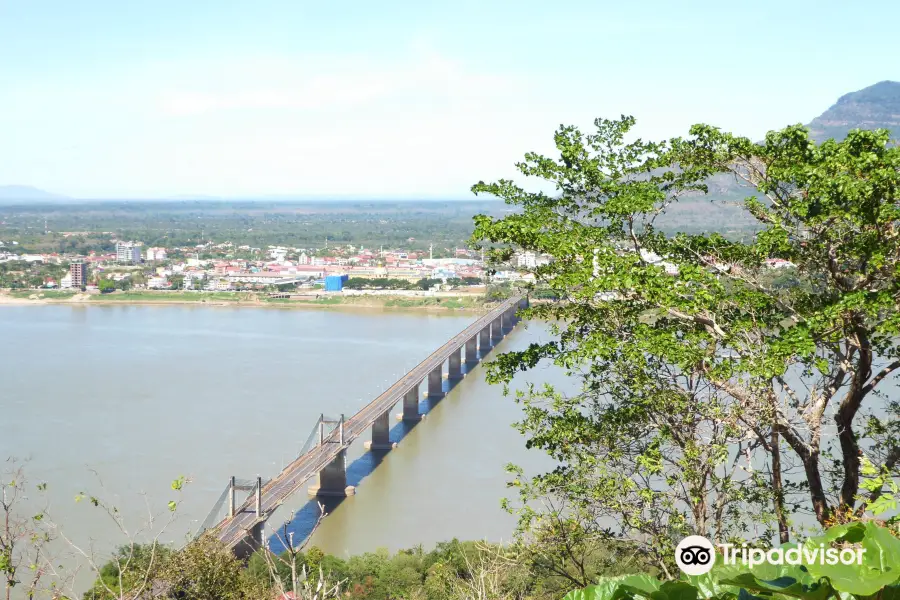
[876, 576]
[452, 570]
[717, 397]
[454, 303]
[176, 296]
[19, 274]
[40, 294]
[708, 394]
[414, 225]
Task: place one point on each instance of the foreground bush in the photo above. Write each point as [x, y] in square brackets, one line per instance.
[876, 577]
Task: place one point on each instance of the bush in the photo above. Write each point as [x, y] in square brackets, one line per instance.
[878, 575]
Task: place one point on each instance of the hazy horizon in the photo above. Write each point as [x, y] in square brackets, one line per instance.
[108, 100]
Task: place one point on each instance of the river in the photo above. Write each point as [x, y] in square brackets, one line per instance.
[117, 401]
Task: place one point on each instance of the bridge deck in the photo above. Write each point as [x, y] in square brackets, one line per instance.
[232, 531]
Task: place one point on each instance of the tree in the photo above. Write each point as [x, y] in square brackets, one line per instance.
[138, 568]
[106, 286]
[428, 282]
[711, 402]
[205, 569]
[24, 536]
[130, 570]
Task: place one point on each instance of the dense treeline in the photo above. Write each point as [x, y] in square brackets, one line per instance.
[361, 283]
[411, 225]
[452, 570]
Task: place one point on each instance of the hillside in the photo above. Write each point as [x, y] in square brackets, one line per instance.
[874, 107]
[26, 192]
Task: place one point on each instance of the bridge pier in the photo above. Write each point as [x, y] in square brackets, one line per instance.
[454, 370]
[496, 330]
[253, 541]
[472, 351]
[333, 479]
[436, 383]
[381, 433]
[484, 341]
[411, 406]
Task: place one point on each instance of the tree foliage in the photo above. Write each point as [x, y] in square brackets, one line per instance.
[712, 400]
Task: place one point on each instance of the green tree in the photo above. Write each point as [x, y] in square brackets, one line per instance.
[427, 283]
[205, 569]
[133, 569]
[701, 383]
[24, 534]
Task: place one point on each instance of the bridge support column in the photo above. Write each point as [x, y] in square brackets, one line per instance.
[231, 506]
[255, 539]
[455, 367]
[472, 351]
[381, 434]
[484, 340]
[436, 383]
[496, 330]
[411, 406]
[333, 479]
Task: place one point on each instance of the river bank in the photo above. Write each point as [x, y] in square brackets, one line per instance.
[461, 303]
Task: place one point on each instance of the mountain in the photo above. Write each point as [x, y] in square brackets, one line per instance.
[26, 192]
[874, 107]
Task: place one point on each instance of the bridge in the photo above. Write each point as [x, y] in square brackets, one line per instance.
[325, 453]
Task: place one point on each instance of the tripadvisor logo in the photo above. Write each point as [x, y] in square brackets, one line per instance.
[695, 555]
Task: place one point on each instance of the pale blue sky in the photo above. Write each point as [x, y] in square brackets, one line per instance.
[147, 98]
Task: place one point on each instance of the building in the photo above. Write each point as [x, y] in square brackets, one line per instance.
[263, 277]
[156, 254]
[128, 252]
[527, 259]
[78, 272]
[191, 277]
[335, 283]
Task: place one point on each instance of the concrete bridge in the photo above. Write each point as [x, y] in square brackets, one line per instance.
[242, 528]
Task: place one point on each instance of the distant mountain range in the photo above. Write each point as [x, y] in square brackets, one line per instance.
[874, 107]
[26, 192]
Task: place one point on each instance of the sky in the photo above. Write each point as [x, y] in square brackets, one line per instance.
[395, 98]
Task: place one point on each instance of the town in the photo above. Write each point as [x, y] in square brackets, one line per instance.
[226, 267]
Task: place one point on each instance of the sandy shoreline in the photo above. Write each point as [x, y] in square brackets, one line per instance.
[374, 303]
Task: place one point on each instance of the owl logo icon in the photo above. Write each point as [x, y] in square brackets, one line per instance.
[695, 555]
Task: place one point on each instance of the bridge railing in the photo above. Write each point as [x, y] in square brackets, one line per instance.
[220, 510]
[344, 430]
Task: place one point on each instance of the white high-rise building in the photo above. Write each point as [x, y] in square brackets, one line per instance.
[527, 260]
[156, 254]
[128, 252]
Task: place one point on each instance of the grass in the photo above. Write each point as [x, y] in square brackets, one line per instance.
[452, 303]
[174, 296]
[327, 300]
[50, 294]
[145, 296]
